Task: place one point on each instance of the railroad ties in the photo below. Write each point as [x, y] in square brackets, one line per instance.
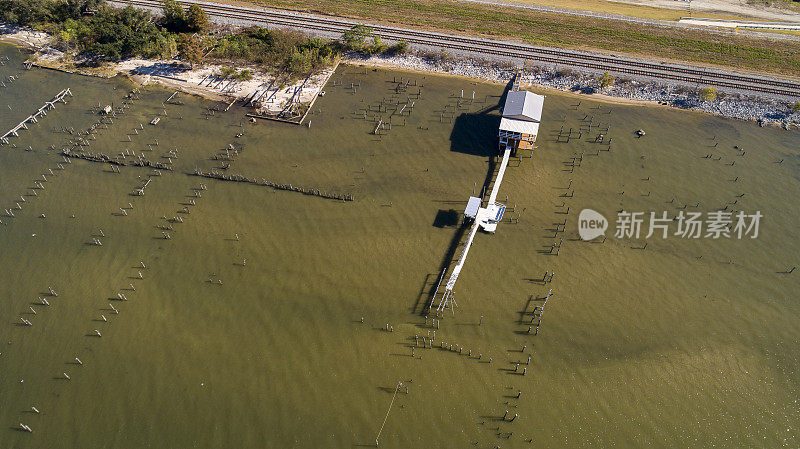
[33, 118]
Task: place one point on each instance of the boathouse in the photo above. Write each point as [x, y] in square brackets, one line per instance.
[520, 123]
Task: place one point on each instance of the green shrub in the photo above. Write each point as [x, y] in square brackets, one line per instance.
[114, 34]
[244, 75]
[162, 46]
[27, 12]
[360, 39]
[288, 51]
[796, 107]
[398, 48]
[110, 34]
[377, 47]
[606, 80]
[75, 9]
[226, 72]
[708, 93]
[232, 73]
[356, 37]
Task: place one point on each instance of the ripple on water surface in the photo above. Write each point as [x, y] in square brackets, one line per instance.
[243, 328]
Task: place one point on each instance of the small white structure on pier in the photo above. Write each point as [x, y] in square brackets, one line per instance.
[473, 205]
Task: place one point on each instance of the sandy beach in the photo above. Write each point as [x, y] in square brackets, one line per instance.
[23, 37]
[266, 92]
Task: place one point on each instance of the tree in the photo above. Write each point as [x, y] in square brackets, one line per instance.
[75, 9]
[26, 12]
[191, 49]
[114, 34]
[796, 107]
[174, 16]
[708, 93]
[196, 19]
[606, 80]
[356, 37]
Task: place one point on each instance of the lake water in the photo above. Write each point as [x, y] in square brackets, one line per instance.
[245, 327]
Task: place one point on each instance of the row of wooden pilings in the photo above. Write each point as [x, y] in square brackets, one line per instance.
[274, 185]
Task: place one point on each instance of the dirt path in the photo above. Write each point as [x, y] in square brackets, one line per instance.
[666, 9]
[735, 7]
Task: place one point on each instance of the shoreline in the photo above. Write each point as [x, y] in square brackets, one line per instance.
[269, 96]
[276, 96]
[595, 96]
[765, 112]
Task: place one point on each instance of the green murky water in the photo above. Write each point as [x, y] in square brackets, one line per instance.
[688, 343]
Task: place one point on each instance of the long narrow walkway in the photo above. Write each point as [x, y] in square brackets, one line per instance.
[487, 219]
[499, 178]
[33, 118]
[448, 299]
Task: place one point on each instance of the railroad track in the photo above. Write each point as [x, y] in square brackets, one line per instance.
[562, 57]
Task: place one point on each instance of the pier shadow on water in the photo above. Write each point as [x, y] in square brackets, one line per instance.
[446, 218]
[475, 134]
[456, 241]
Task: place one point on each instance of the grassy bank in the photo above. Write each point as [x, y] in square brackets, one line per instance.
[566, 31]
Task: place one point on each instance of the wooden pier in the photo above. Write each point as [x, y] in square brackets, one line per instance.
[33, 118]
[488, 217]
